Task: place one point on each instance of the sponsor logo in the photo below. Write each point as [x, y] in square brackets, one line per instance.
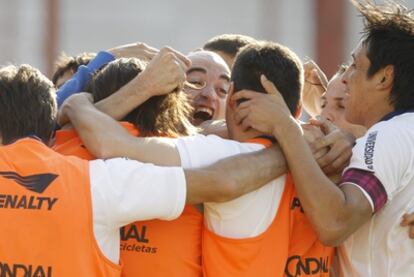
[369, 150]
[296, 204]
[133, 238]
[299, 266]
[8, 201]
[22, 270]
[37, 183]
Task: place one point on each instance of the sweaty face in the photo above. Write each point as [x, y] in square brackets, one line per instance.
[359, 88]
[211, 75]
[333, 107]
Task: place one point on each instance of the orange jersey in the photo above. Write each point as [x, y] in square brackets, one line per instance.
[46, 215]
[154, 247]
[289, 246]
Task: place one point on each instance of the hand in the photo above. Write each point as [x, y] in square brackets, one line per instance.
[76, 100]
[408, 220]
[312, 133]
[340, 145]
[134, 50]
[165, 73]
[266, 113]
[314, 86]
[214, 127]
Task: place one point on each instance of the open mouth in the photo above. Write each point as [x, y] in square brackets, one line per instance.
[203, 114]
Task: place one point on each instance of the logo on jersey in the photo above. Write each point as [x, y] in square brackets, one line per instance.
[299, 266]
[369, 150]
[134, 238]
[37, 183]
[16, 270]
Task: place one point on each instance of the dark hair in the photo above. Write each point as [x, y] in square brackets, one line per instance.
[228, 43]
[165, 115]
[278, 63]
[70, 63]
[27, 104]
[389, 39]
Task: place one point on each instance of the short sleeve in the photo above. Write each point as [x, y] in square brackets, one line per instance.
[386, 152]
[199, 150]
[124, 191]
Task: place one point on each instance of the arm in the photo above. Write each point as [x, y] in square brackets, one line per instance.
[335, 212]
[164, 74]
[314, 86]
[235, 176]
[106, 138]
[82, 77]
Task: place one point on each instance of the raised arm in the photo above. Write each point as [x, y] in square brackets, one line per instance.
[164, 73]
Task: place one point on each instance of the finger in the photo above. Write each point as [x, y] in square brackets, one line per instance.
[339, 164]
[328, 126]
[327, 140]
[315, 122]
[338, 157]
[329, 158]
[268, 85]
[411, 232]
[180, 56]
[244, 94]
[148, 47]
[245, 124]
[319, 154]
[240, 115]
[245, 104]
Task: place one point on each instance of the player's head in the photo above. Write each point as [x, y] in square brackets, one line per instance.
[165, 115]
[383, 62]
[27, 104]
[227, 45]
[66, 66]
[278, 63]
[211, 76]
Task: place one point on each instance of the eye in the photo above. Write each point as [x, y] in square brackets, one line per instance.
[195, 84]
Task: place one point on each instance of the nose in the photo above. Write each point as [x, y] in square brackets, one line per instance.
[326, 113]
[208, 92]
[344, 78]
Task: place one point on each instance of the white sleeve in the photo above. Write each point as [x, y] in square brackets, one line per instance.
[199, 150]
[246, 216]
[387, 155]
[124, 191]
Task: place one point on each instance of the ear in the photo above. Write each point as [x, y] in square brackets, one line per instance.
[298, 112]
[230, 93]
[386, 78]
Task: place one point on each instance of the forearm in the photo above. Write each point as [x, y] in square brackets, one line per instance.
[232, 177]
[121, 103]
[260, 168]
[106, 138]
[326, 205]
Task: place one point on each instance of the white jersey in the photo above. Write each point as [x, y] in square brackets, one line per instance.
[381, 247]
[246, 216]
[124, 191]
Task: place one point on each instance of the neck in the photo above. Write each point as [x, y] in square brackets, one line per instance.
[376, 114]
